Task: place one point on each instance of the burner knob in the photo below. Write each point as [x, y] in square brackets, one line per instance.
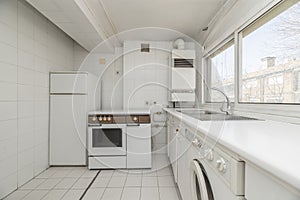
[94, 119]
[104, 118]
[135, 118]
[108, 118]
[100, 118]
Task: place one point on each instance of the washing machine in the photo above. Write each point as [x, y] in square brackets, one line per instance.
[213, 173]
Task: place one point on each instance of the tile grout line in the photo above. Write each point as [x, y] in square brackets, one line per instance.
[124, 185]
[85, 191]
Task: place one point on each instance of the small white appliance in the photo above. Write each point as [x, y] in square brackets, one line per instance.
[117, 141]
[183, 76]
[70, 99]
[208, 172]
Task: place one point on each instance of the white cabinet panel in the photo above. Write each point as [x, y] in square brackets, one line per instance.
[173, 150]
[183, 79]
[139, 146]
[259, 186]
[68, 83]
[68, 129]
[183, 168]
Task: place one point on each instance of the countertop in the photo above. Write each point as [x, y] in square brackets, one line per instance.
[120, 112]
[272, 146]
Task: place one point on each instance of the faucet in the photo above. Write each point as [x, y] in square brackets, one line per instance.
[228, 103]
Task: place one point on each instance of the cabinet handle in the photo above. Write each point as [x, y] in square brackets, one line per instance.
[133, 124]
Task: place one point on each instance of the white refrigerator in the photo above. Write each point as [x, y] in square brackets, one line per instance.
[72, 95]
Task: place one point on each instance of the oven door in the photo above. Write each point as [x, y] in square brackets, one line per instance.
[108, 139]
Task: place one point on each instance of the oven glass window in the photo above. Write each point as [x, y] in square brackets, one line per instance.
[111, 137]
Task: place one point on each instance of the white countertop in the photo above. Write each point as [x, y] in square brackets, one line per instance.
[120, 112]
[273, 146]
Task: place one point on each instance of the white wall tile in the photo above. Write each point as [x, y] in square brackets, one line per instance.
[9, 12]
[8, 54]
[8, 92]
[8, 110]
[30, 47]
[25, 19]
[8, 72]
[8, 34]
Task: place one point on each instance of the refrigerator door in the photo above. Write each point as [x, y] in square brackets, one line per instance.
[68, 129]
[68, 83]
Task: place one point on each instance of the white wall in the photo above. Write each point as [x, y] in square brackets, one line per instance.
[30, 47]
[109, 74]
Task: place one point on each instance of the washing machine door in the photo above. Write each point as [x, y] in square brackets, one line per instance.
[200, 185]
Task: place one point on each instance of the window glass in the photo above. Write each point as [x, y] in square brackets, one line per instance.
[221, 73]
[271, 57]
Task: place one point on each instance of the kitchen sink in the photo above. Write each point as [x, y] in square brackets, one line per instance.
[205, 115]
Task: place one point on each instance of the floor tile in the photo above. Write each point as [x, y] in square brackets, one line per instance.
[76, 173]
[94, 194]
[66, 183]
[36, 195]
[54, 194]
[164, 172]
[73, 194]
[46, 174]
[117, 182]
[149, 182]
[133, 181]
[131, 193]
[82, 183]
[120, 173]
[150, 172]
[149, 193]
[166, 181]
[17, 195]
[168, 193]
[134, 172]
[106, 173]
[34, 183]
[100, 182]
[49, 184]
[61, 173]
[112, 194]
[89, 174]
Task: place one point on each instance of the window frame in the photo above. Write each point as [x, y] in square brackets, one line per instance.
[275, 111]
[207, 70]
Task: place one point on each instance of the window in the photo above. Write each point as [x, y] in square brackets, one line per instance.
[220, 73]
[271, 56]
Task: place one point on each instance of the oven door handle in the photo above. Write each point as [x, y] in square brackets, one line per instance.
[133, 124]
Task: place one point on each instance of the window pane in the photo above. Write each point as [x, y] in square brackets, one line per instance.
[271, 59]
[221, 73]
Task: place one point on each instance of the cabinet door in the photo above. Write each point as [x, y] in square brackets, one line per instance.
[260, 185]
[139, 146]
[183, 168]
[173, 151]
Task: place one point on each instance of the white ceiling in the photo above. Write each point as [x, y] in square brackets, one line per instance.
[186, 16]
[89, 22]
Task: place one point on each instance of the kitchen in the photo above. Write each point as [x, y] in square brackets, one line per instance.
[149, 100]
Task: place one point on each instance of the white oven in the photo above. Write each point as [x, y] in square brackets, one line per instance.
[107, 140]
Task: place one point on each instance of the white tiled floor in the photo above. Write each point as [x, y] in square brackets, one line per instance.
[69, 183]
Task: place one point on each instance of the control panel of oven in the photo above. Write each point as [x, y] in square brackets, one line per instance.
[95, 119]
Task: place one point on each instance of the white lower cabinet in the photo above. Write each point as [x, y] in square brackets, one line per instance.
[173, 150]
[183, 180]
[260, 185]
[139, 146]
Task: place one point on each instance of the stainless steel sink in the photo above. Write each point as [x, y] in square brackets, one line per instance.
[205, 115]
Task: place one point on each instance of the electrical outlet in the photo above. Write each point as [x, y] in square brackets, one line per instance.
[102, 61]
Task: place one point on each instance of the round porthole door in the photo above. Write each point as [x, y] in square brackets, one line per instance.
[200, 185]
